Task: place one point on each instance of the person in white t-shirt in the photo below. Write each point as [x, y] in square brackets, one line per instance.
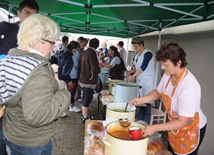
[181, 94]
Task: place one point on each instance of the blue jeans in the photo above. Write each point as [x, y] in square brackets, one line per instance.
[144, 113]
[2, 142]
[21, 150]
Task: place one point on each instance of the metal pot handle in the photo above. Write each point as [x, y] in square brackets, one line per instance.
[104, 140]
[139, 86]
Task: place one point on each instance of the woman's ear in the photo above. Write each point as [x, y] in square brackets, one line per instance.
[179, 63]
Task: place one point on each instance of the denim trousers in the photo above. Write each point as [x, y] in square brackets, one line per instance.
[144, 113]
[2, 142]
[22, 150]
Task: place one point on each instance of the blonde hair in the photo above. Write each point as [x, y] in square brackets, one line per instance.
[35, 27]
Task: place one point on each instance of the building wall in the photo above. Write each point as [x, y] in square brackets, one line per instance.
[200, 56]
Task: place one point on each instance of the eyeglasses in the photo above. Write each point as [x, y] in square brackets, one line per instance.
[51, 42]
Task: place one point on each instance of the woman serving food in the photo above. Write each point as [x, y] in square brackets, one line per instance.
[115, 63]
[181, 94]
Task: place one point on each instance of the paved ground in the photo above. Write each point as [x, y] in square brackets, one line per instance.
[69, 132]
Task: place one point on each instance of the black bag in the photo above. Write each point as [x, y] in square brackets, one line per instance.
[53, 59]
[99, 86]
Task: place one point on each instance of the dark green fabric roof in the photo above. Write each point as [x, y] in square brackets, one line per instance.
[121, 18]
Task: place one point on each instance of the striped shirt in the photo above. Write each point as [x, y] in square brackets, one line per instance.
[14, 71]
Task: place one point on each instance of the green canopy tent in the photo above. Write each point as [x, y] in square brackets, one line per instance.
[120, 18]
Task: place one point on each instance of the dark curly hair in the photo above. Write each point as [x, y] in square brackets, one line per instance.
[173, 52]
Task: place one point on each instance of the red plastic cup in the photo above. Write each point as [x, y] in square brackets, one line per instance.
[72, 85]
[135, 133]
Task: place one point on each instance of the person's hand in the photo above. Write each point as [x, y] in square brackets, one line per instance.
[71, 85]
[2, 107]
[128, 72]
[136, 101]
[55, 67]
[131, 79]
[101, 64]
[148, 130]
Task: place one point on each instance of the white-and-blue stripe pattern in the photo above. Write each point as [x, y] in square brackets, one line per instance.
[14, 70]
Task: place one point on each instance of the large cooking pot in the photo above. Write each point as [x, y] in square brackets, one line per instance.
[116, 146]
[111, 86]
[104, 75]
[117, 110]
[125, 91]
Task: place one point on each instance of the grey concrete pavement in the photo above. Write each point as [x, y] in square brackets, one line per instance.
[69, 132]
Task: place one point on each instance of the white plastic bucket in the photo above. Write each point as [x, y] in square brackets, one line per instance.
[115, 146]
[111, 113]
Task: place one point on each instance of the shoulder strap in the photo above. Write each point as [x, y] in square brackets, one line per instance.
[6, 31]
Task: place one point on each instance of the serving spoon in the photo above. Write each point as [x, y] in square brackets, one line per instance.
[124, 122]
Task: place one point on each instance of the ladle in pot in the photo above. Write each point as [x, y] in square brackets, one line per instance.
[126, 107]
[124, 122]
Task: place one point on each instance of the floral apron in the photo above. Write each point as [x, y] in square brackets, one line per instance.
[186, 139]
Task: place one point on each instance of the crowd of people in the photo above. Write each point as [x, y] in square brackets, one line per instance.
[83, 75]
[69, 69]
[39, 81]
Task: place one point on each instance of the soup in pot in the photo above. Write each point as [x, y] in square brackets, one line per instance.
[121, 134]
[118, 110]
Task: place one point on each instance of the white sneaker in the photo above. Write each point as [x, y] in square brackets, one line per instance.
[64, 115]
[74, 109]
[79, 100]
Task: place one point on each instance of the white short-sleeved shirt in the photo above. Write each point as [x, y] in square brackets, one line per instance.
[114, 61]
[187, 97]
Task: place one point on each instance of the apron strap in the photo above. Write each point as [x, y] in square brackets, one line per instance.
[177, 81]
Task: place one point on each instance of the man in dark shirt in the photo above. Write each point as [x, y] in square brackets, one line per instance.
[8, 40]
[9, 31]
